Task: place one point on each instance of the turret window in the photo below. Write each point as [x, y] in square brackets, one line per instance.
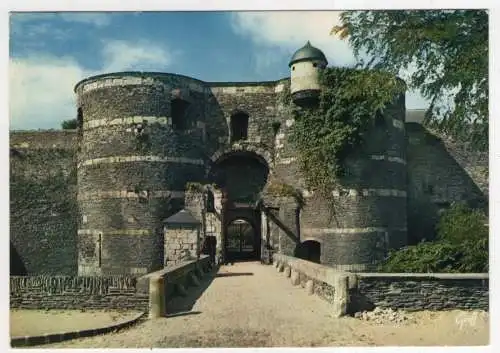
[178, 109]
[239, 127]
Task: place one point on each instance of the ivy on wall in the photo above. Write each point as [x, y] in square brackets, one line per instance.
[324, 135]
[280, 189]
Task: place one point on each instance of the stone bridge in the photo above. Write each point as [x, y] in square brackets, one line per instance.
[291, 303]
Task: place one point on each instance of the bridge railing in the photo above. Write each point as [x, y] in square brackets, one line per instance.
[350, 292]
[163, 285]
[325, 281]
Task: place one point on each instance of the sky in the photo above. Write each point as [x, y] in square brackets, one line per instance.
[50, 52]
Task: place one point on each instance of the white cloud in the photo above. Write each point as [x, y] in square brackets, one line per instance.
[41, 87]
[290, 30]
[40, 91]
[142, 55]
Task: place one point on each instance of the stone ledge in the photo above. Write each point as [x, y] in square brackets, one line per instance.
[328, 283]
[164, 284]
[128, 159]
[409, 291]
[426, 276]
[313, 270]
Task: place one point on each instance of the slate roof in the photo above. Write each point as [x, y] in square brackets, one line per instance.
[182, 217]
[307, 53]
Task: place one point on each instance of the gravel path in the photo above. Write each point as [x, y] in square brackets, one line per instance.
[251, 305]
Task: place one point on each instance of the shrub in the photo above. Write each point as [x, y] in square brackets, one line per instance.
[461, 246]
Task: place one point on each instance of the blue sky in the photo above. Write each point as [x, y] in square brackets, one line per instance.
[51, 52]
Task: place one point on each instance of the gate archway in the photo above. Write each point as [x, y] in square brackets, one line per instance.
[241, 175]
[241, 241]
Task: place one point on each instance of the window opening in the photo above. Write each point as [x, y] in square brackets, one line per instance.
[178, 111]
[239, 127]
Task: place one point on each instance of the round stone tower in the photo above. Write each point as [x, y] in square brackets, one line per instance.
[141, 142]
[305, 66]
[366, 215]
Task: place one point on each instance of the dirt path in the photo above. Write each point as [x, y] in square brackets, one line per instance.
[251, 305]
[42, 322]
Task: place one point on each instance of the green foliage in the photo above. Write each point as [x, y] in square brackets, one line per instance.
[285, 190]
[462, 246]
[199, 187]
[69, 124]
[323, 136]
[460, 224]
[443, 51]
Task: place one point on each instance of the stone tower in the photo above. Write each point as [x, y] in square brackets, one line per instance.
[305, 66]
[366, 215]
[140, 144]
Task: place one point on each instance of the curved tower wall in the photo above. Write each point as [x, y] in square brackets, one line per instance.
[133, 166]
[304, 76]
[369, 216]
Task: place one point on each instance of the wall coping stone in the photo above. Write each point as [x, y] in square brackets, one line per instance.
[154, 283]
[454, 276]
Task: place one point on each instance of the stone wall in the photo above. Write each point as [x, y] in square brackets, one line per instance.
[282, 223]
[67, 292]
[474, 163]
[257, 100]
[181, 244]
[435, 180]
[43, 207]
[422, 291]
[324, 281]
[163, 285]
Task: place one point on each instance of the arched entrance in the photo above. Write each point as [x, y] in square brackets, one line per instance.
[242, 242]
[241, 175]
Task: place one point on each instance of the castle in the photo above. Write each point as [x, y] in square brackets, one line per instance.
[101, 200]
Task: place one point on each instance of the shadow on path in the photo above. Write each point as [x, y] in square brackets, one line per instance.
[182, 305]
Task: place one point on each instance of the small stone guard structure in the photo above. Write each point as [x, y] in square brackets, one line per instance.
[182, 238]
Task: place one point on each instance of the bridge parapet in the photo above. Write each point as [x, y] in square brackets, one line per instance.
[163, 285]
[324, 281]
[352, 292]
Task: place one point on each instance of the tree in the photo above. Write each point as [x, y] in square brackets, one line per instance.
[69, 124]
[445, 56]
